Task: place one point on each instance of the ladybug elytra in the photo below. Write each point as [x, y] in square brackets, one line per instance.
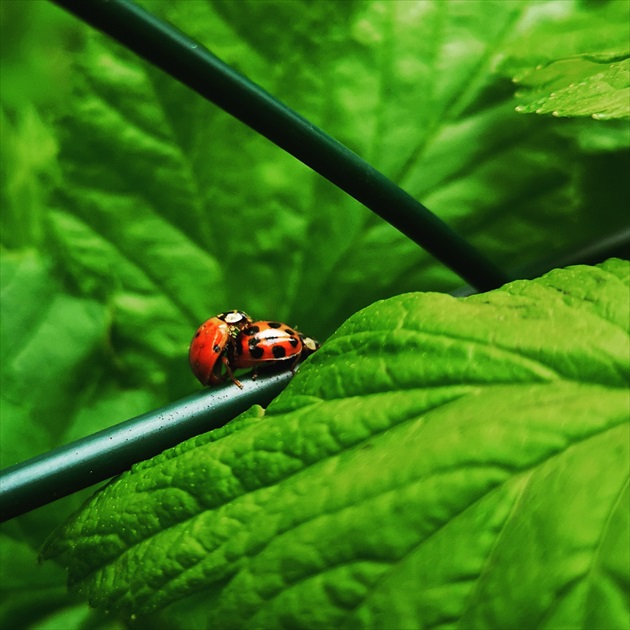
[264, 342]
[208, 350]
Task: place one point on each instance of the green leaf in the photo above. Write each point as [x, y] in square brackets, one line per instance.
[576, 65]
[44, 326]
[215, 217]
[37, 598]
[439, 462]
[580, 87]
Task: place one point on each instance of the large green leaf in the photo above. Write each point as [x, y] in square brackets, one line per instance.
[174, 211]
[440, 462]
[63, 331]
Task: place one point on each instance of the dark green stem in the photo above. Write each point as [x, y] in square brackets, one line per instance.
[98, 457]
[194, 66]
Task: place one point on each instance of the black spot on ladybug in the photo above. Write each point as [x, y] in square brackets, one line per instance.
[217, 349]
[253, 342]
[279, 352]
[274, 324]
[256, 352]
[251, 330]
[293, 341]
[290, 332]
[197, 334]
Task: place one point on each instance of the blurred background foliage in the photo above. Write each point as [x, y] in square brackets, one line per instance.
[132, 210]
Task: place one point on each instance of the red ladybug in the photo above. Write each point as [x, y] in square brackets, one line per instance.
[265, 343]
[231, 341]
[208, 352]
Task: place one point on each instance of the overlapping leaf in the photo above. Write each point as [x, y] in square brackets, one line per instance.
[580, 87]
[577, 64]
[438, 462]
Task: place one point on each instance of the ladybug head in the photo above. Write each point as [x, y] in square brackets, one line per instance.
[240, 319]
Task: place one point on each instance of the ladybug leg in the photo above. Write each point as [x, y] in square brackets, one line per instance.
[234, 380]
[254, 374]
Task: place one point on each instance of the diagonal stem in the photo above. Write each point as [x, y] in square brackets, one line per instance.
[97, 457]
[190, 63]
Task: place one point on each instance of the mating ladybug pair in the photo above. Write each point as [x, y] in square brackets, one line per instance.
[233, 340]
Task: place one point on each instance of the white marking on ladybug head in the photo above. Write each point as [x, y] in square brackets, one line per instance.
[235, 318]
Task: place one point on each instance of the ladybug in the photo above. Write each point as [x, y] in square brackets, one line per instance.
[232, 340]
[265, 343]
[209, 348]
